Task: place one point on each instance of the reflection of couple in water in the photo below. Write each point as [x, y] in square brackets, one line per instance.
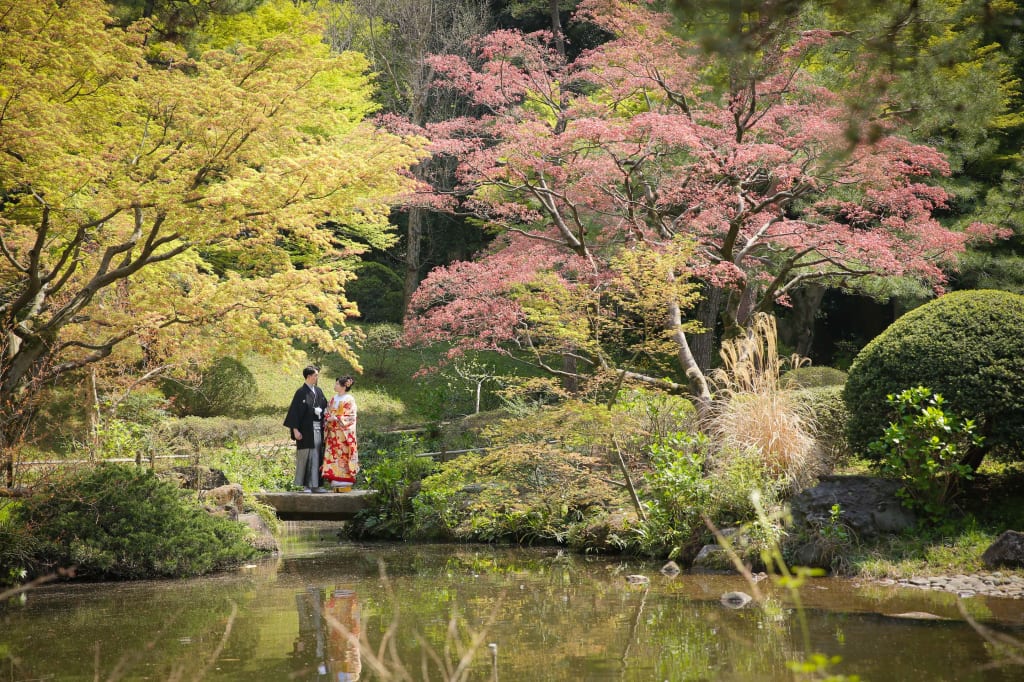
[328, 642]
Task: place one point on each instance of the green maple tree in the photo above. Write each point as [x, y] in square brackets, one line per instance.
[157, 204]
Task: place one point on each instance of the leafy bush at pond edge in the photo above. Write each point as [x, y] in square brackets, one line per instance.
[122, 522]
[923, 449]
[17, 546]
[532, 492]
[396, 478]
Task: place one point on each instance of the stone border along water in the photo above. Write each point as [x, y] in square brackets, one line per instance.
[995, 584]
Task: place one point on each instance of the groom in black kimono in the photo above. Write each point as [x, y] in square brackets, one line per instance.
[305, 421]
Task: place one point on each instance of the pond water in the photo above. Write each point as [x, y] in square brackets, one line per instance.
[532, 614]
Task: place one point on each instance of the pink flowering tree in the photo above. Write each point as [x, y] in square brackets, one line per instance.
[633, 147]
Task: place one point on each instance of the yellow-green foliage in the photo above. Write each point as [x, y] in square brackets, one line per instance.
[621, 322]
[202, 178]
[527, 493]
[647, 416]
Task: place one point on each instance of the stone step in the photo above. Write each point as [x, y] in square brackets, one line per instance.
[318, 506]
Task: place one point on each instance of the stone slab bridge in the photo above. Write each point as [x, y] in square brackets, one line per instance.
[318, 506]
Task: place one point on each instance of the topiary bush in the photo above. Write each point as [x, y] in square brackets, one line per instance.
[967, 346]
[225, 388]
[122, 522]
[827, 421]
[812, 376]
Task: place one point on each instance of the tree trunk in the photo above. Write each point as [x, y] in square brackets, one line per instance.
[570, 366]
[694, 374]
[21, 365]
[806, 303]
[413, 250]
[556, 28]
[703, 345]
[94, 422]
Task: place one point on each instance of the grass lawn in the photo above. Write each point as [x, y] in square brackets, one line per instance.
[993, 504]
[388, 391]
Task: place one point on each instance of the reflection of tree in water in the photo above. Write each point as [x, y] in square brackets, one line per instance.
[322, 650]
[181, 642]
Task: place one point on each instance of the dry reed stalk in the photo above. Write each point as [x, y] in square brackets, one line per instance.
[751, 413]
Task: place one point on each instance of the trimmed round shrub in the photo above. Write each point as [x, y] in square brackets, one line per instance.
[122, 522]
[812, 376]
[827, 418]
[967, 346]
[226, 389]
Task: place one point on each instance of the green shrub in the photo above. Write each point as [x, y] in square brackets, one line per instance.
[396, 477]
[967, 346]
[225, 388]
[652, 416]
[260, 467]
[684, 485]
[677, 492]
[827, 423]
[17, 546]
[203, 433]
[143, 407]
[122, 522]
[532, 492]
[379, 347]
[923, 448]
[812, 376]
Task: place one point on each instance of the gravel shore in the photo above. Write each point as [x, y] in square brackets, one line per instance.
[995, 584]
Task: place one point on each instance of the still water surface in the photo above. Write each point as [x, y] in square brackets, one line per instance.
[541, 615]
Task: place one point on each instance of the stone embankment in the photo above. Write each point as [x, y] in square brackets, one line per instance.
[995, 584]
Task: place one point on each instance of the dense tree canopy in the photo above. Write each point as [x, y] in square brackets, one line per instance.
[639, 141]
[152, 196]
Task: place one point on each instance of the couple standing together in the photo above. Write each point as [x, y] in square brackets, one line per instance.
[324, 433]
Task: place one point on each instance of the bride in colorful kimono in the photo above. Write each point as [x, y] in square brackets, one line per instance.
[341, 453]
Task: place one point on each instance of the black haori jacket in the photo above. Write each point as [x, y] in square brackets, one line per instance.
[302, 414]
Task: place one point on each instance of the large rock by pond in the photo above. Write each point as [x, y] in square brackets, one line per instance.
[868, 505]
[712, 559]
[262, 537]
[198, 477]
[226, 500]
[717, 559]
[220, 497]
[1007, 551]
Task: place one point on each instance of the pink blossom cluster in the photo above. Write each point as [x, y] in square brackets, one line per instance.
[629, 146]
